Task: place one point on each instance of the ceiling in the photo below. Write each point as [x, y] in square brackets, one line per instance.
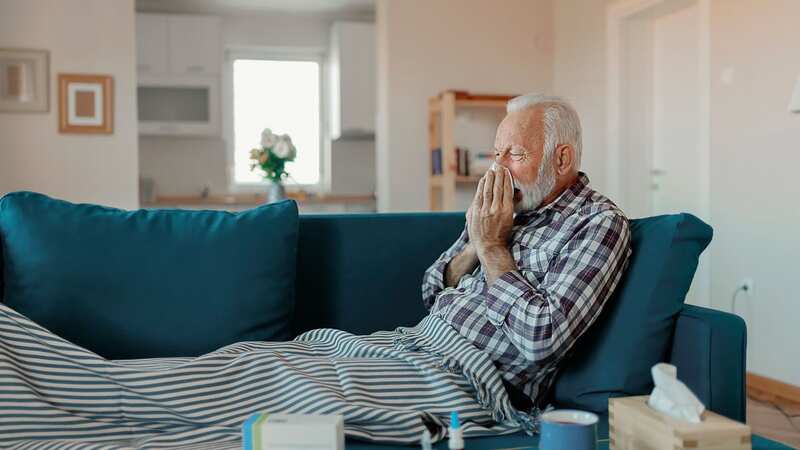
[234, 7]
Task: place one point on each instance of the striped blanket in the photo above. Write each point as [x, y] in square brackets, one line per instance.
[388, 386]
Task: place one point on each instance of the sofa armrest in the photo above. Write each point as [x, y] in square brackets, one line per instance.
[2, 271]
[709, 350]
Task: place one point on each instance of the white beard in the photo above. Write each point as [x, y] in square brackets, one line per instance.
[533, 194]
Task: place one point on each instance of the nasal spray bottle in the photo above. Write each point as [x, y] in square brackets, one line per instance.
[426, 441]
[456, 439]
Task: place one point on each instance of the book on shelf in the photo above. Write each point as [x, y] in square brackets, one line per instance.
[466, 162]
[436, 161]
[462, 157]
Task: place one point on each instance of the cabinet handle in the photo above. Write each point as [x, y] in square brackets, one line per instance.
[194, 69]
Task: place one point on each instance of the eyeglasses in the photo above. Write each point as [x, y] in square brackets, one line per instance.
[517, 153]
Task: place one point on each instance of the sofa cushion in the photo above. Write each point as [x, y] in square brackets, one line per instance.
[149, 283]
[613, 358]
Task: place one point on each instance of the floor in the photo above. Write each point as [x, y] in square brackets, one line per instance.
[774, 419]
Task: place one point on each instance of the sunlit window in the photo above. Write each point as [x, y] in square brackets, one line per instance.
[282, 96]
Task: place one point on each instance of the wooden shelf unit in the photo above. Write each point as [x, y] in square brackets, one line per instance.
[441, 125]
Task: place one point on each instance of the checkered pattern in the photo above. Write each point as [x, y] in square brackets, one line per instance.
[570, 253]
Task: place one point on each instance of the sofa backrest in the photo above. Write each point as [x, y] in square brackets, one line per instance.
[149, 283]
[363, 272]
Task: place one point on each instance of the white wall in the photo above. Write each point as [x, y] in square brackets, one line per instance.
[427, 46]
[353, 166]
[754, 153]
[579, 74]
[83, 36]
[184, 166]
[263, 30]
[754, 190]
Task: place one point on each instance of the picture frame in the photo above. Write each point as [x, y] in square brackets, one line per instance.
[24, 80]
[85, 103]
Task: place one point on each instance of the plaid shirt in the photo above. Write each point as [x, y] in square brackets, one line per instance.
[570, 253]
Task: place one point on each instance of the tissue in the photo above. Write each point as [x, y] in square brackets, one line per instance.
[672, 397]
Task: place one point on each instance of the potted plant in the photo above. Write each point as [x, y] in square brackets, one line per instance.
[271, 158]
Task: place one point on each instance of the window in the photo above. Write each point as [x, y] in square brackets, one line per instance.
[284, 96]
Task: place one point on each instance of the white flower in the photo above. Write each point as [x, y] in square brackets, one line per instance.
[292, 152]
[268, 140]
[283, 149]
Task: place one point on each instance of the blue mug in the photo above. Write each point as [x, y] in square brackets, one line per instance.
[568, 429]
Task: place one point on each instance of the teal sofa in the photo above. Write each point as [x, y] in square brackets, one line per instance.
[362, 273]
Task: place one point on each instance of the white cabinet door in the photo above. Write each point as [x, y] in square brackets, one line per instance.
[151, 49]
[194, 45]
[357, 64]
[353, 66]
[180, 106]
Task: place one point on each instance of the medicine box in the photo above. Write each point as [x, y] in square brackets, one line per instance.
[633, 425]
[263, 431]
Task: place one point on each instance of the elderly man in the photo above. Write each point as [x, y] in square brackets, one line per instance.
[540, 254]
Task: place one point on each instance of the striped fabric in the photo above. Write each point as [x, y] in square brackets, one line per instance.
[388, 386]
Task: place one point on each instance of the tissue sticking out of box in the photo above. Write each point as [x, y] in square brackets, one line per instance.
[671, 397]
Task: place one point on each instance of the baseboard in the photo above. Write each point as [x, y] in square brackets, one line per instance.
[759, 386]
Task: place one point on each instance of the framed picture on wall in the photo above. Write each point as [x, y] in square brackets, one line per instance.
[85, 103]
[24, 80]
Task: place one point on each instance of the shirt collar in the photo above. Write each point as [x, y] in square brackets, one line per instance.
[568, 199]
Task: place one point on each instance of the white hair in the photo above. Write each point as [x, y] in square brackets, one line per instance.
[561, 122]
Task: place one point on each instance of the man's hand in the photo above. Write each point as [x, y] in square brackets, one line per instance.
[490, 217]
[462, 264]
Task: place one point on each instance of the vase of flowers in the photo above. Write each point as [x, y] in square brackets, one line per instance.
[271, 158]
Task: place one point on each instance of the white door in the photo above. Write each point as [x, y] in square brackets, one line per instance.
[677, 150]
[678, 168]
[659, 111]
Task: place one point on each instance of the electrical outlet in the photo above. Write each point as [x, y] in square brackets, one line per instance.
[746, 285]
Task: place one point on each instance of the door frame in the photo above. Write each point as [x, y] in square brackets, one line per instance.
[618, 15]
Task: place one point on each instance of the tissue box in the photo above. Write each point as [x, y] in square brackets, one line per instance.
[633, 425]
[263, 431]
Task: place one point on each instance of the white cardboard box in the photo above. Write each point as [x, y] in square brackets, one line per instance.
[293, 431]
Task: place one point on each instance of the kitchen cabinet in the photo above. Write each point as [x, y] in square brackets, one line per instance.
[171, 44]
[151, 35]
[178, 106]
[178, 63]
[194, 45]
[352, 66]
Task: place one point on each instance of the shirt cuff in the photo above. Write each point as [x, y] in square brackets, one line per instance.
[437, 272]
[434, 282]
[435, 275]
[503, 293]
